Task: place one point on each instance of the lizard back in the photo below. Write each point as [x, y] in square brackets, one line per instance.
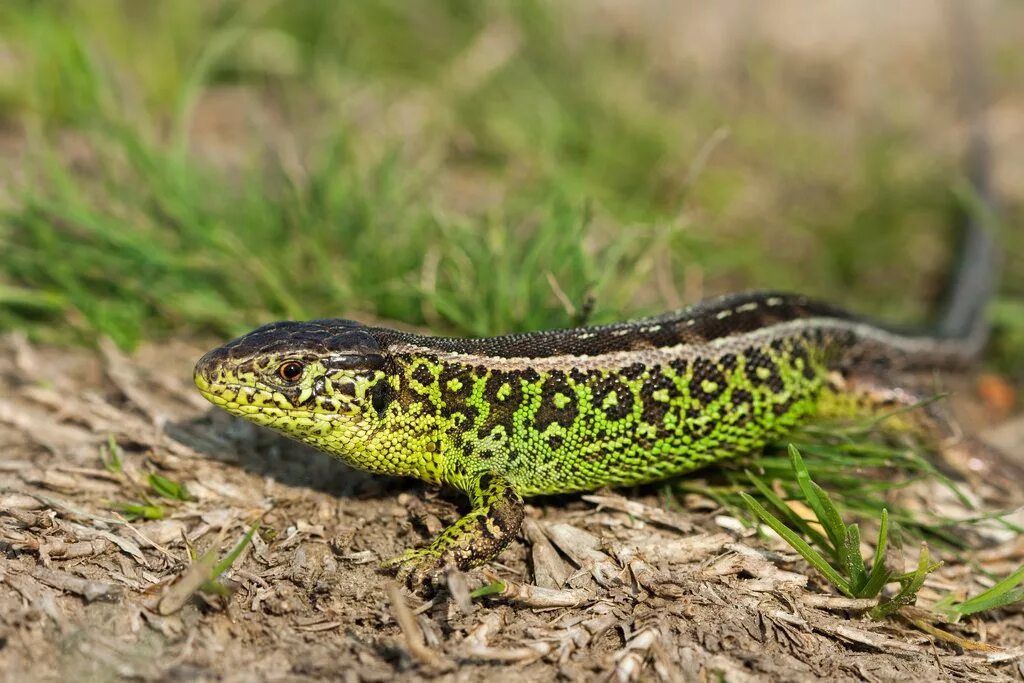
[574, 409]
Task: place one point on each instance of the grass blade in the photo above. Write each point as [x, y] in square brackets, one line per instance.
[795, 520]
[133, 511]
[799, 544]
[854, 562]
[997, 596]
[911, 584]
[822, 505]
[879, 575]
[230, 558]
[168, 488]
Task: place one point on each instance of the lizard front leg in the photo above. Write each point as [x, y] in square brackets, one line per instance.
[474, 539]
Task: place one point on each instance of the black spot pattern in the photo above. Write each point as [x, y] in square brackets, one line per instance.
[783, 406]
[454, 400]
[605, 386]
[680, 366]
[423, 375]
[799, 357]
[654, 409]
[381, 395]
[582, 376]
[756, 358]
[742, 397]
[501, 409]
[704, 371]
[410, 393]
[634, 371]
[550, 412]
[700, 430]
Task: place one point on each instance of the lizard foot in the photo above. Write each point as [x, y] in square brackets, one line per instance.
[417, 566]
[473, 540]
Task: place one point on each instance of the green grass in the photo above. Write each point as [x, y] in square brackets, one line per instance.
[844, 567]
[112, 458]
[1002, 593]
[212, 585]
[866, 472]
[465, 166]
[175, 256]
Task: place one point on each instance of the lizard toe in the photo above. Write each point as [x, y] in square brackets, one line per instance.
[416, 566]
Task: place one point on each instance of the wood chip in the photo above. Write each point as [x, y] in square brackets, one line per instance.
[43, 428]
[459, 589]
[550, 570]
[876, 641]
[583, 549]
[647, 513]
[178, 593]
[629, 661]
[90, 590]
[123, 373]
[123, 543]
[539, 597]
[411, 631]
[838, 602]
[657, 548]
[67, 551]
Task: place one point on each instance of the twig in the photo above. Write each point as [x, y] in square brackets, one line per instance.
[539, 597]
[90, 590]
[411, 630]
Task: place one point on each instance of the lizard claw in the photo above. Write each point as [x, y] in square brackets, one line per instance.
[416, 566]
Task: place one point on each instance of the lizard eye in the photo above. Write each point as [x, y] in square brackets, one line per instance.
[290, 371]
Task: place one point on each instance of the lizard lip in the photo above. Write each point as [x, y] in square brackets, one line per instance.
[201, 382]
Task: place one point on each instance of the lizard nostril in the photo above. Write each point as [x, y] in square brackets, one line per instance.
[206, 368]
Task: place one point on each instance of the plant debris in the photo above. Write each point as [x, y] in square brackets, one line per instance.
[600, 585]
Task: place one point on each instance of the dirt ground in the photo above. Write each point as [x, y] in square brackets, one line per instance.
[600, 586]
[613, 586]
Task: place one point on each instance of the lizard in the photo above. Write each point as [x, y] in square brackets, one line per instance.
[561, 411]
[508, 417]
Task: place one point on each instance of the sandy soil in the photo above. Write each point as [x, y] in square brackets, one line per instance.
[620, 588]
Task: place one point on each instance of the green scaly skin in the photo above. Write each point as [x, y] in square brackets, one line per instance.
[567, 410]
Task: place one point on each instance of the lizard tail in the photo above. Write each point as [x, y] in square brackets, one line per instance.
[975, 276]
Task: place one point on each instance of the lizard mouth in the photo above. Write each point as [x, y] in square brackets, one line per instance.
[247, 401]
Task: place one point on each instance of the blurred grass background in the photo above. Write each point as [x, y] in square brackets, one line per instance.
[477, 167]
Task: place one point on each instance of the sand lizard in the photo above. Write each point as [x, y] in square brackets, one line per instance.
[509, 417]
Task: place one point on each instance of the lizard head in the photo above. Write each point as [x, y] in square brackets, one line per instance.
[321, 381]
